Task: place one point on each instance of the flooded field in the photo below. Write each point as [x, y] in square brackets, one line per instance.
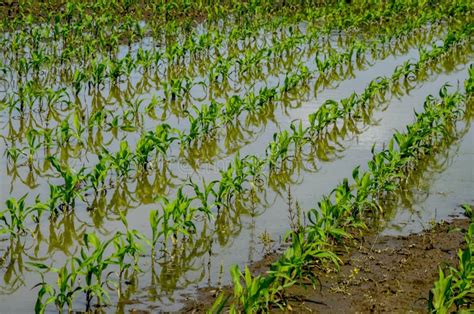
[146, 153]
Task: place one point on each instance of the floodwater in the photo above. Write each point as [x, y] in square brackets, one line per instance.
[232, 238]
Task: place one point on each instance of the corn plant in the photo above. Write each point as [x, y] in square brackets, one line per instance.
[454, 287]
[15, 216]
[127, 250]
[98, 175]
[252, 296]
[63, 294]
[299, 261]
[121, 161]
[73, 184]
[203, 196]
[32, 138]
[91, 263]
[176, 218]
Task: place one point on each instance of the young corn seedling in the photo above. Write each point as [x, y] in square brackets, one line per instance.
[254, 295]
[72, 188]
[254, 169]
[203, 196]
[32, 138]
[299, 260]
[63, 294]
[98, 69]
[91, 263]
[98, 175]
[231, 182]
[161, 140]
[298, 136]
[126, 255]
[176, 218]
[278, 149]
[78, 81]
[15, 216]
[122, 160]
[145, 146]
[78, 130]
[454, 288]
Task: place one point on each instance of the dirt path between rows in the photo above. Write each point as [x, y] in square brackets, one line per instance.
[379, 274]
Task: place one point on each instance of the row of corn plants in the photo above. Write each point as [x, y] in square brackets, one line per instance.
[454, 288]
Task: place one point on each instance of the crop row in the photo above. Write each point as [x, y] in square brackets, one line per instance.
[454, 287]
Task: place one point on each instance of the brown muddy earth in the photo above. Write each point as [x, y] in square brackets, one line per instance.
[379, 274]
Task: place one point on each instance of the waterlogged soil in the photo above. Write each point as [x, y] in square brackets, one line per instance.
[379, 273]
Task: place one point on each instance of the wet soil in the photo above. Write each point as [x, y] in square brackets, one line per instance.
[379, 274]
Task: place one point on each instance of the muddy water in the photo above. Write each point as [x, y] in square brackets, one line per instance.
[447, 185]
[166, 283]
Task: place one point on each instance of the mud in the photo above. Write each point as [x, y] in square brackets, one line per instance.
[379, 274]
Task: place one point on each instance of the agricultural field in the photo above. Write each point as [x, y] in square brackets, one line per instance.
[154, 152]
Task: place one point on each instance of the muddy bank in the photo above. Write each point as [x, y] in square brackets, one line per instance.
[386, 274]
[379, 274]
